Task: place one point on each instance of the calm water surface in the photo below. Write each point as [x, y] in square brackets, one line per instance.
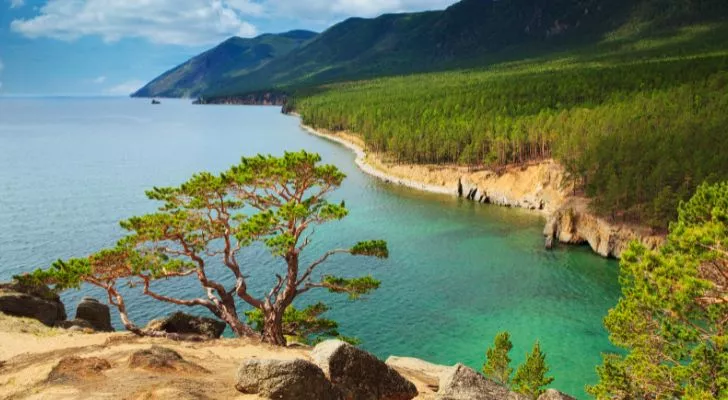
[459, 273]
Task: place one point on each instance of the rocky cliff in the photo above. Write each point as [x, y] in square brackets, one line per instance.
[538, 186]
[573, 223]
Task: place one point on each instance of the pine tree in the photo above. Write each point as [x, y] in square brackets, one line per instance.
[530, 378]
[497, 362]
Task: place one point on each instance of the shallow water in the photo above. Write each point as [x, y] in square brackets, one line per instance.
[459, 273]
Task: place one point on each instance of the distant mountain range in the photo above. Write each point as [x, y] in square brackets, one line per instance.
[470, 33]
[231, 59]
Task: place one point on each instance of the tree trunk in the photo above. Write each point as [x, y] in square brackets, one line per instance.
[273, 327]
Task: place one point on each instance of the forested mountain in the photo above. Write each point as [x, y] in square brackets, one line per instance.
[234, 57]
[637, 119]
[465, 34]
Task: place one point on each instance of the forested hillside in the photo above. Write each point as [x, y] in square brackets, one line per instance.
[234, 57]
[638, 120]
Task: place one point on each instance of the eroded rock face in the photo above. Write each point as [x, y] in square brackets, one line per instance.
[96, 313]
[185, 324]
[285, 379]
[37, 302]
[162, 359]
[552, 394]
[575, 224]
[76, 369]
[463, 383]
[360, 375]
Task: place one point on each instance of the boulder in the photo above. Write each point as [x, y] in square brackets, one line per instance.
[185, 324]
[162, 359]
[423, 371]
[360, 375]
[290, 379]
[463, 383]
[76, 369]
[96, 313]
[37, 302]
[552, 394]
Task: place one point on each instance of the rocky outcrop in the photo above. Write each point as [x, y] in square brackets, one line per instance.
[552, 394]
[77, 369]
[96, 313]
[463, 383]
[162, 359]
[360, 375]
[428, 373]
[184, 324]
[37, 302]
[290, 379]
[573, 223]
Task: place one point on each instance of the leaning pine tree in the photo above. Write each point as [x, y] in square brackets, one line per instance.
[206, 223]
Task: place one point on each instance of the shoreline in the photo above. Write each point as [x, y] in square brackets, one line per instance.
[534, 187]
[361, 162]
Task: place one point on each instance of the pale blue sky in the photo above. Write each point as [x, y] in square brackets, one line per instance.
[112, 47]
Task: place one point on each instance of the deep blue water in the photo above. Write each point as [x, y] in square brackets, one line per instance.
[459, 273]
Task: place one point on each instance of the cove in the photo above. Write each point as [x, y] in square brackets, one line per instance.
[459, 272]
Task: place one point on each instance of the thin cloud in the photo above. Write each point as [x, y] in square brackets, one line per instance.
[99, 80]
[192, 22]
[176, 22]
[126, 88]
[16, 3]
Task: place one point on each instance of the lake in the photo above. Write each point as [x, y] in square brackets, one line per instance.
[458, 274]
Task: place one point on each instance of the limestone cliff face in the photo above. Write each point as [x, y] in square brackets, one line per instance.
[534, 187]
[574, 224]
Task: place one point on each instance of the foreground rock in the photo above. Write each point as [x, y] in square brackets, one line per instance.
[76, 369]
[162, 359]
[184, 324]
[463, 383]
[96, 313]
[360, 375]
[279, 379]
[552, 394]
[428, 373]
[37, 302]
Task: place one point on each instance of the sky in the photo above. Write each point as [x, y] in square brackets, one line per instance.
[113, 47]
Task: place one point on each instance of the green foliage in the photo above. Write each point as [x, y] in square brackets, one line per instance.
[671, 318]
[355, 287]
[530, 378]
[305, 326]
[497, 361]
[372, 248]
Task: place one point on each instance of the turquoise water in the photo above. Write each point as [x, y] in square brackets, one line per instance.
[459, 273]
